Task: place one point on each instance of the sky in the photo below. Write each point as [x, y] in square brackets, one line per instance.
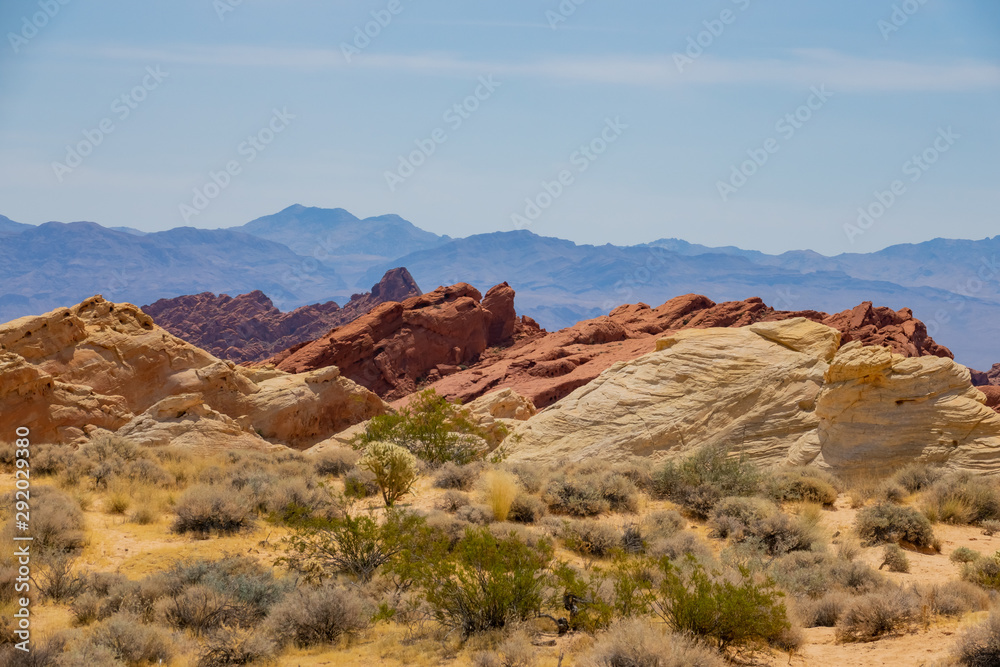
[840, 127]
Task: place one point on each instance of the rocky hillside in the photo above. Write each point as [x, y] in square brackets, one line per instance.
[250, 328]
[464, 345]
[107, 366]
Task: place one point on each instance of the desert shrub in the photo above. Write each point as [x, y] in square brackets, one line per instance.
[592, 537]
[847, 549]
[955, 598]
[146, 471]
[476, 513]
[454, 476]
[448, 528]
[57, 579]
[86, 654]
[698, 481]
[198, 608]
[731, 516]
[738, 612]
[990, 527]
[636, 469]
[311, 616]
[526, 509]
[336, 461]
[984, 571]
[875, 615]
[889, 491]
[822, 612]
[49, 459]
[87, 608]
[891, 523]
[111, 448]
[434, 430]
[963, 498]
[360, 484]
[57, 523]
[638, 643]
[855, 576]
[499, 489]
[530, 476]
[964, 555]
[664, 523]
[487, 582]
[758, 523]
[453, 500]
[202, 509]
[679, 545]
[804, 573]
[235, 590]
[118, 500]
[591, 493]
[43, 653]
[632, 539]
[979, 646]
[293, 499]
[916, 476]
[131, 641]
[394, 468]
[895, 559]
[354, 545]
[144, 514]
[803, 484]
[236, 646]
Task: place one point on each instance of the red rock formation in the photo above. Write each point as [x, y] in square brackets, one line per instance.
[547, 367]
[986, 378]
[249, 328]
[399, 345]
[992, 396]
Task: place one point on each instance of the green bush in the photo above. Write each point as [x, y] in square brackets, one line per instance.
[355, 545]
[487, 582]
[892, 523]
[434, 430]
[698, 481]
[964, 555]
[394, 468]
[745, 614]
[984, 571]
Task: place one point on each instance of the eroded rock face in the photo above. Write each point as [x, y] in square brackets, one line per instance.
[99, 364]
[547, 367]
[752, 388]
[780, 392]
[249, 328]
[880, 410]
[398, 344]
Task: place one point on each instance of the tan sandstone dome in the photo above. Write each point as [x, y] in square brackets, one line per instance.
[102, 365]
[879, 409]
[780, 392]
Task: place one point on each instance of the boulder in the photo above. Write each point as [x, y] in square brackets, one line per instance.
[100, 364]
[752, 389]
[879, 411]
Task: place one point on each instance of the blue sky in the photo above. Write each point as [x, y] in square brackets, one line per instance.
[673, 128]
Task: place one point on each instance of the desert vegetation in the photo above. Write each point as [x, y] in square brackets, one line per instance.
[421, 545]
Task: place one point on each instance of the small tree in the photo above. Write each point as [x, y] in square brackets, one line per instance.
[435, 430]
[395, 469]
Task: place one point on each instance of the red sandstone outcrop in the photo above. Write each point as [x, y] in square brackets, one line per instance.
[401, 344]
[100, 365]
[547, 367]
[249, 327]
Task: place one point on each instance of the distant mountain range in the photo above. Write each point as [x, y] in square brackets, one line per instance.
[306, 255]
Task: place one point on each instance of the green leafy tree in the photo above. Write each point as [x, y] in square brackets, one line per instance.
[394, 467]
[435, 430]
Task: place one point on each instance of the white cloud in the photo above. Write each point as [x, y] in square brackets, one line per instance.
[800, 68]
